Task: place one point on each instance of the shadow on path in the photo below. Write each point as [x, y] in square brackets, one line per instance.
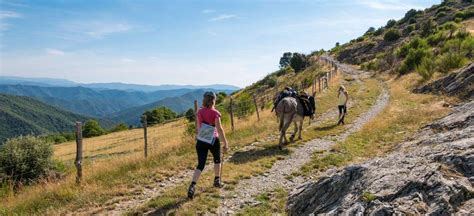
[241, 157]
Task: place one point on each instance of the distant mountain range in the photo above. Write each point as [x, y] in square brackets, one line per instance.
[23, 116]
[88, 101]
[179, 104]
[48, 82]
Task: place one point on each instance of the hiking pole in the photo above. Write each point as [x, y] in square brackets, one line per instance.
[222, 163]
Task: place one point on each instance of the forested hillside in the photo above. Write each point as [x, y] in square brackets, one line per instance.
[92, 102]
[22, 116]
[177, 104]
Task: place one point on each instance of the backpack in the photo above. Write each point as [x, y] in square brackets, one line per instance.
[308, 103]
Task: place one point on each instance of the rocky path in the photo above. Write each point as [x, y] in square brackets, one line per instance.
[245, 192]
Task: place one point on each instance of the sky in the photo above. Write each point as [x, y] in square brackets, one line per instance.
[177, 41]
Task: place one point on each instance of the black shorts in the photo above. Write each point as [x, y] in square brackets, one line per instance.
[202, 149]
[342, 109]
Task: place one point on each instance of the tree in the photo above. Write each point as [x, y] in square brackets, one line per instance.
[159, 115]
[390, 23]
[391, 35]
[190, 115]
[285, 59]
[337, 44]
[92, 129]
[298, 62]
[409, 14]
[220, 97]
[371, 30]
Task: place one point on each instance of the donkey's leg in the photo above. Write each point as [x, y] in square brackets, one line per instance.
[282, 132]
[292, 138]
[300, 128]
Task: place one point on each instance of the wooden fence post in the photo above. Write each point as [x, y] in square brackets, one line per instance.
[231, 111]
[319, 82]
[78, 161]
[256, 106]
[144, 122]
[195, 115]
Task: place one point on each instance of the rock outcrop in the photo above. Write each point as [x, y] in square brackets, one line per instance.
[431, 174]
[459, 83]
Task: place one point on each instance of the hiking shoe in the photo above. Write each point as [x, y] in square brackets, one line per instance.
[191, 190]
[218, 183]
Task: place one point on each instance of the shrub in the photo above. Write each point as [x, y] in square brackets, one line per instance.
[391, 35]
[413, 59]
[427, 27]
[408, 29]
[409, 15]
[244, 105]
[370, 31]
[415, 43]
[58, 138]
[220, 97]
[450, 61]
[441, 14]
[379, 31]
[390, 23]
[190, 116]
[92, 129]
[159, 115]
[119, 127]
[25, 159]
[436, 38]
[467, 47]
[426, 68]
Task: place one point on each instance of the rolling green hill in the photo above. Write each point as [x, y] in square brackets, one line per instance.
[21, 115]
[177, 104]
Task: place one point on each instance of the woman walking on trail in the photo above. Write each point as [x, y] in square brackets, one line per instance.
[209, 132]
[342, 96]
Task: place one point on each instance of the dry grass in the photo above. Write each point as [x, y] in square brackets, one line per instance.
[404, 115]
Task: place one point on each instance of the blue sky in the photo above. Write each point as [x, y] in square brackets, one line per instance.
[177, 42]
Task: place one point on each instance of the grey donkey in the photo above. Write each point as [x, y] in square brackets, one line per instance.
[289, 110]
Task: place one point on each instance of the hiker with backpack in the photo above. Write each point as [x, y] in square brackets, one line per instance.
[209, 134]
[343, 97]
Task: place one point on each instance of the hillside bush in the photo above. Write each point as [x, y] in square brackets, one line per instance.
[415, 43]
[449, 61]
[119, 127]
[92, 128]
[190, 116]
[26, 158]
[58, 138]
[220, 97]
[436, 38]
[244, 105]
[159, 115]
[408, 30]
[427, 27]
[409, 15]
[370, 31]
[426, 68]
[390, 23]
[391, 35]
[413, 59]
[379, 31]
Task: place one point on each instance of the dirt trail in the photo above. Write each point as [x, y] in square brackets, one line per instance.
[245, 192]
[144, 193]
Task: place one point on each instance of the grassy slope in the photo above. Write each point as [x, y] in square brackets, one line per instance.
[404, 115]
[114, 163]
[254, 162]
[22, 115]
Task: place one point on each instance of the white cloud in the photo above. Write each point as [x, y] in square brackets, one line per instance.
[7, 15]
[54, 52]
[208, 11]
[389, 5]
[127, 60]
[224, 17]
[94, 29]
